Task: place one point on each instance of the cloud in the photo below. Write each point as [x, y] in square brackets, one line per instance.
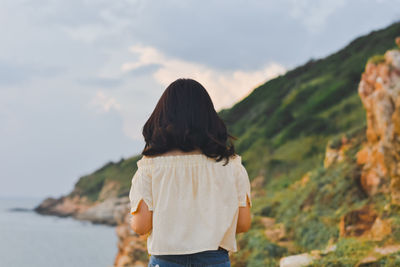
[103, 103]
[314, 14]
[62, 89]
[224, 86]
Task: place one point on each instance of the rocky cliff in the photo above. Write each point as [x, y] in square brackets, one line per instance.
[379, 90]
[100, 197]
[371, 228]
[109, 211]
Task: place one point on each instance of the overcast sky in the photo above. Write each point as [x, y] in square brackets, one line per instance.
[78, 79]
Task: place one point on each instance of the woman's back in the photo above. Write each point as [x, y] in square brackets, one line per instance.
[194, 199]
[193, 203]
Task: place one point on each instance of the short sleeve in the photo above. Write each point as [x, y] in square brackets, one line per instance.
[141, 188]
[242, 183]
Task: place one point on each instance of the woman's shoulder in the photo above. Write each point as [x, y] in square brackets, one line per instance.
[182, 158]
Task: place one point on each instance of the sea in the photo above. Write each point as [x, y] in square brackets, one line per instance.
[28, 239]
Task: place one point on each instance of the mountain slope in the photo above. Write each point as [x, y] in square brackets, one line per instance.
[289, 120]
[286, 128]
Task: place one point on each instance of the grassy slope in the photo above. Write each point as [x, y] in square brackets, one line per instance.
[122, 172]
[283, 128]
[309, 103]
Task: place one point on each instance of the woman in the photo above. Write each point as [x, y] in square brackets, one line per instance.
[191, 192]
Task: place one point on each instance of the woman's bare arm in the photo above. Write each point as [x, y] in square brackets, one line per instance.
[244, 218]
[142, 219]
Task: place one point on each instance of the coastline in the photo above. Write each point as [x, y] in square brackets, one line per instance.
[110, 212]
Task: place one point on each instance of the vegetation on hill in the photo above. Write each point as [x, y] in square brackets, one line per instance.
[283, 129]
[122, 172]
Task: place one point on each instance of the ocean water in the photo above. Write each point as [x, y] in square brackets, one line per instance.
[28, 239]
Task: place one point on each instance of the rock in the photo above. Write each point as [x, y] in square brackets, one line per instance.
[379, 90]
[276, 232]
[273, 231]
[377, 253]
[110, 211]
[367, 260]
[357, 222]
[132, 249]
[109, 190]
[305, 259]
[363, 156]
[392, 58]
[336, 154]
[379, 230]
[364, 223]
[387, 249]
[63, 206]
[331, 155]
[299, 260]
[47, 206]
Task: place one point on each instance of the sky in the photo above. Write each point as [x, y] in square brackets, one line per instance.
[78, 79]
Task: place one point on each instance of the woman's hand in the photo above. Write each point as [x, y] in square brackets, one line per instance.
[142, 219]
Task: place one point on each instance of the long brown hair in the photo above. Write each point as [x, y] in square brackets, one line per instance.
[185, 118]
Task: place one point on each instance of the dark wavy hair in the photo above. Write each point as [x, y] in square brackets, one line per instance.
[184, 118]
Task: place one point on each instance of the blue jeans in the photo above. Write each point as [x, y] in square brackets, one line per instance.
[209, 258]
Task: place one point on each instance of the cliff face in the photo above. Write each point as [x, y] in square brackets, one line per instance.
[63, 206]
[369, 223]
[379, 90]
[105, 211]
[109, 211]
[100, 197]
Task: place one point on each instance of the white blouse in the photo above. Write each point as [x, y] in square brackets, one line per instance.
[195, 201]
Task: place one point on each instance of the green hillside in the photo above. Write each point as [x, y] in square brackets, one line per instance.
[283, 128]
[121, 172]
[290, 117]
